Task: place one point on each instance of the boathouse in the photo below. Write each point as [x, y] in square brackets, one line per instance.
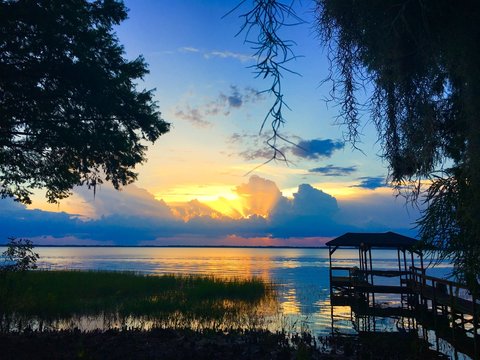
[445, 306]
[360, 280]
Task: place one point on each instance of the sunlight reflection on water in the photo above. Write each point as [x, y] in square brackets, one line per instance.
[301, 274]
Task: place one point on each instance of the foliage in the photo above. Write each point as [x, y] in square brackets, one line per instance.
[70, 113]
[19, 255]
[266, 19]
[419, 61]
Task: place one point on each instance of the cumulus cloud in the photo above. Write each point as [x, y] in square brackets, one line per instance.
[371, 182]
[134, 216]
[130, 201]
[16, 220]
[309, 200]
[332, 170]
[223, 104]
[258, 196]
[317, 148]
[310, 213]
[193, 209]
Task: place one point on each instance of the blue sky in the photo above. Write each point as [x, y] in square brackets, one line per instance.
[194, 189]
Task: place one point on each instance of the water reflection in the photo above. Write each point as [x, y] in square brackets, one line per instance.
[301, 274]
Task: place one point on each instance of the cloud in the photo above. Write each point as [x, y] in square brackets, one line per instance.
[219, 54]
[223, 104]
[225, 54]
[378, 212]
[256, 147]
[307, 201]
[193, 115]
[259, 196]
[371, 182]
[189, 49]
[235, 99]
[317, 148]
[253, 154]
[193, 209]
[332, 170]
[133, 217]
[310, 213]
[129, 201]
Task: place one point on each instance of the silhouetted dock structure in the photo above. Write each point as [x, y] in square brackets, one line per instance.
[423, 302]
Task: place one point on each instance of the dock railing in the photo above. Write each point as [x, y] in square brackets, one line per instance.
[449, 298]
[443, 305]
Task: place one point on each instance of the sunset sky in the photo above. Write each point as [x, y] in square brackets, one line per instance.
[201, 184]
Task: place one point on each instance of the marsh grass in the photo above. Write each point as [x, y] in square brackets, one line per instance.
[123, 297]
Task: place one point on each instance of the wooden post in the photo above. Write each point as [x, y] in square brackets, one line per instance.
[331, 316]
[330, 262]
[371, 278]
[452, 312]
[434, 305]
[360, 260]
[366, 262]
[330, 273]
[399, 264]
[476, 320]
[371, 267]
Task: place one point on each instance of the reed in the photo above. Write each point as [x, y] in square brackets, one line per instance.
[51, 295]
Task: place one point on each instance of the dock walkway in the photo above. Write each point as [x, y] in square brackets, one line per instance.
[437, 304]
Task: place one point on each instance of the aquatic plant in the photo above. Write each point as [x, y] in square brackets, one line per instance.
[65, 299]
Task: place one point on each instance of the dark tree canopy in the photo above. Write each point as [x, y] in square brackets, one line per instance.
[421, 60]
[70, 112]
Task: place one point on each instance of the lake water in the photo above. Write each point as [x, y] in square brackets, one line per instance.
[301, 274]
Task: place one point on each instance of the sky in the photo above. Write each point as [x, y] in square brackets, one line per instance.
[202, 183]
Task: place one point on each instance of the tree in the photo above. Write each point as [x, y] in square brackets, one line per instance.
[70, 111]
[421, 60]
[19, 255]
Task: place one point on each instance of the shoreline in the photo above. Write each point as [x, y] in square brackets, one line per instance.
[177, 246]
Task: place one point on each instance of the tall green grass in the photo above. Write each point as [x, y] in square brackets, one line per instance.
[54, 295]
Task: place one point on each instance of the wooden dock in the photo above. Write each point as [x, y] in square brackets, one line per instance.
[435, 304]
[424, 302]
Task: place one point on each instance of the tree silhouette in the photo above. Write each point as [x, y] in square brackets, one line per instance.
[421, 58]
[70, 111]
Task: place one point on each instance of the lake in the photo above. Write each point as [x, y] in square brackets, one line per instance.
[300, 273]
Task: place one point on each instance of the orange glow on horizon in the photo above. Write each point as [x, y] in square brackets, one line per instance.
[215, 201]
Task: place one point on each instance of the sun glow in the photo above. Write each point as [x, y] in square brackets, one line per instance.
[202, 193]
[230, 207]
[220, 198]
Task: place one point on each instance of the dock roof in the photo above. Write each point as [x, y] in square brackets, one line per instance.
[377, 240]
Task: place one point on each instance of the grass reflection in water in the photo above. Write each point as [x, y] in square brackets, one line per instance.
[90, 300]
